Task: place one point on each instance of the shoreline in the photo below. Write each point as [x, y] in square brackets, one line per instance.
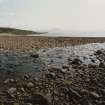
[28, 43]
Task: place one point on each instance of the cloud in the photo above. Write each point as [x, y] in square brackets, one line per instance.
[65, 14]
[1, 1]
[6, 14]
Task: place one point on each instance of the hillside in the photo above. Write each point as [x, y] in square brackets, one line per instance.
[16, 31]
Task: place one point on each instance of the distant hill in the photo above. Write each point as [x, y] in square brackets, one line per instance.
[17, 31]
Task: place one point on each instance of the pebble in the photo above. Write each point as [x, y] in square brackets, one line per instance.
[74, 93]
[65, 66]
[95, 95]
[11, 90]
[26, 76]
[63, 70]
[30, 85]
[35, 55]
[9, 80]
[51, 75]
[77, 61]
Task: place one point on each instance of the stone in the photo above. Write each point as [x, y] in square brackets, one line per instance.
[51, 75]
[95, 95]
[27, 76]
[74, 93]
[98, 52]
[30, 85]
[91, 66]
[35, 55]
[22, 89]
[65, 67]
[101, 64]
[63, 70]
[76, 61]
[93, 60]
[12, 80]
[12, 90]
[7, 81]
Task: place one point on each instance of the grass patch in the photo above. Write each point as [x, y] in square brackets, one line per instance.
[17, 31]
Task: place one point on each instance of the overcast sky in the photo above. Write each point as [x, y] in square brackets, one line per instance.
[77, 15]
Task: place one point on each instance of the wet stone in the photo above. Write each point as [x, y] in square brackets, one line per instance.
[51, 75]
[77, 61]
[18, 64]
[99, 52]
[34, 55]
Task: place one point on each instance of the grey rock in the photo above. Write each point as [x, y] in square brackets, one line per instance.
[8, 80]
[51, 75]
[34, 55]
[74, 93]
[12, 90]
[30, 85]
[95, 95]
[76, 61]
[63, 70]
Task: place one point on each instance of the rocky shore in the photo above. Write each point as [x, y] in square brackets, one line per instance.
[58, 76]
[27, 43]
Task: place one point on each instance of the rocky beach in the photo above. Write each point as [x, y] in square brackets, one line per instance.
[52, 52]
[71, 75]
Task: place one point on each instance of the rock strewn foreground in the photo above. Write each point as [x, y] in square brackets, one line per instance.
[73, 84]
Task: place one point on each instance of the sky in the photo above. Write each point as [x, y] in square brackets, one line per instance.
[73, 15]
